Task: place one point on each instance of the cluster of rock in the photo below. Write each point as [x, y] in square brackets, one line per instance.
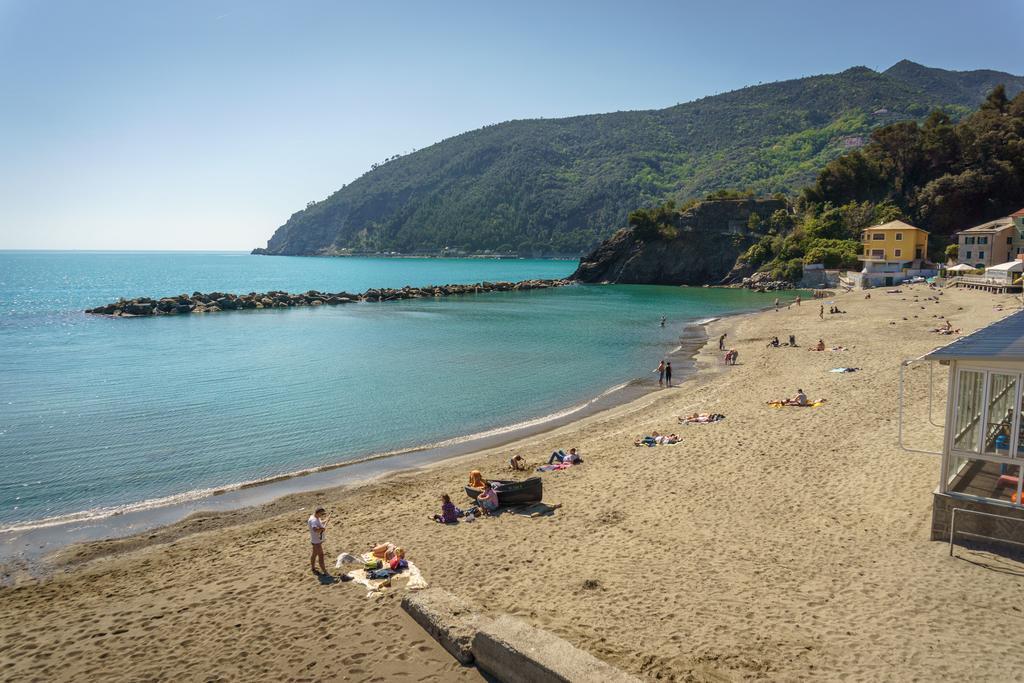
[220, 301]
[763, 282]
[711, 237]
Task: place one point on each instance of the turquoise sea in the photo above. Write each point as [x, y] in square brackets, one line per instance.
[101, 415]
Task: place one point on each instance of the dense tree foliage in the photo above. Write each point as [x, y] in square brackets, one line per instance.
[939, 175]
[560, 186]
[943, 176]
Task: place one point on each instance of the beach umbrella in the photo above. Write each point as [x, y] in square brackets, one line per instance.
[960, 268]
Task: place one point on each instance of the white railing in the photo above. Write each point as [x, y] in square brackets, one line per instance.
[977, 280]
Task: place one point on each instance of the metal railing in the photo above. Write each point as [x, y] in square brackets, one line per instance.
[952, 527]
[900, 399]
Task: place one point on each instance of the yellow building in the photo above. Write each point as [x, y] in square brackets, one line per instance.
[893, 252]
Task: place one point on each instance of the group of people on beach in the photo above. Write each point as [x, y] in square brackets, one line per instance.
[664, 371]
[487, 500]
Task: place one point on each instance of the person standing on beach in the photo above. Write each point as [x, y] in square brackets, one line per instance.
[776, 303]
[721, 342]
[668, 374]
[798, 301]
[821, 311]
[317, 528]
[661, 373]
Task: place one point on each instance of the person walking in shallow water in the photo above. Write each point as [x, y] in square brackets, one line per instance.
[317, 528]
[668, 374]
[661, 373]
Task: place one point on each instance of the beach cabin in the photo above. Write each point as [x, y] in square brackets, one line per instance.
[1005, 273]
[983, 444]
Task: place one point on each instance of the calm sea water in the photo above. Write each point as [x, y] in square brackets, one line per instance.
[100, 414]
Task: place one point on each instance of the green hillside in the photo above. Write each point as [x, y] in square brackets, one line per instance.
[559, 186]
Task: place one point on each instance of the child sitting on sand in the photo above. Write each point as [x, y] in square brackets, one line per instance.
[449, 513]
[476, 480]
[398, 562]
[516, 463]
[488, 498]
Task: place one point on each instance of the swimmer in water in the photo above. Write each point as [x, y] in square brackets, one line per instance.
[663, 319]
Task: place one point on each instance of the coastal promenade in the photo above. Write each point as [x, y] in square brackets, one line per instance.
[778, 544]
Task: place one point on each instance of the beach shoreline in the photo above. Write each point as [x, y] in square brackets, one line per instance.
[24, 545]
[773, 532]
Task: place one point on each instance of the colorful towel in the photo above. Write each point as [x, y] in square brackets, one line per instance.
[780, 404]
[555, 467]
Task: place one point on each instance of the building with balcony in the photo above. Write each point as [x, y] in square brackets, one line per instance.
[892, 252]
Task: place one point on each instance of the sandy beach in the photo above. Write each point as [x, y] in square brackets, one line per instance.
[778, 544]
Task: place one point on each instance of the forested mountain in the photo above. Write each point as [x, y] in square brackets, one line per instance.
[938, 175]
[559, 186]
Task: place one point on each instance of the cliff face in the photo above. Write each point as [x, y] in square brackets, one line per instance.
[712, 235]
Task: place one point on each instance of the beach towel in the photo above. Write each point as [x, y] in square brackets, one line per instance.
[810, 404]
[555, 467]
[844, 369]
[410, 579]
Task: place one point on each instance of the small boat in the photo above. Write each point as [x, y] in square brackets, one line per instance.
[514, 492]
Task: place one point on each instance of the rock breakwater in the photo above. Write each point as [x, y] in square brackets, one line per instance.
[215, 302]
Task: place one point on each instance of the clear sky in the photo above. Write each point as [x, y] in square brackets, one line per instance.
[204, 125]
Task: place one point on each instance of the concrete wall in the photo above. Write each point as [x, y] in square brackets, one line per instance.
[942, 509]
[509, 649]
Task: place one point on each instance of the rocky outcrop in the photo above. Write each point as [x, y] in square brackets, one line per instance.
[711, 235]
[215, 302]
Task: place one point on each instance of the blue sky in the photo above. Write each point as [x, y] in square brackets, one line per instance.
[204, 125]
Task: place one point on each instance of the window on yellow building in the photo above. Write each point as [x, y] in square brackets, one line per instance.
[898, 253]
[878, 237]
[899, 236]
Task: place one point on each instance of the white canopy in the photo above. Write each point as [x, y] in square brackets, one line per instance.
[1008, 267]
[960, 267]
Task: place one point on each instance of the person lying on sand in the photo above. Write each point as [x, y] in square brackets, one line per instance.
[516, 463]
[701, 418]
[476, 480]
[820, 346]
[384, 551]
[572, 457]
[799, 400]
[449, 513]
[655, 439]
